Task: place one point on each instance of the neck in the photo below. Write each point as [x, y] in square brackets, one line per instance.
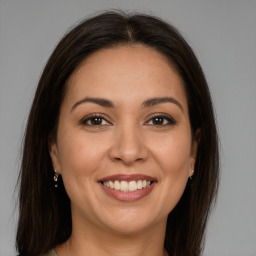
[95, 241]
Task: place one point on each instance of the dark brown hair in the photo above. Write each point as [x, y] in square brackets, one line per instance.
[44, 212]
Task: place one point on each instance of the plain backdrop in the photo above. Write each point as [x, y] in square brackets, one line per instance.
[223, 36]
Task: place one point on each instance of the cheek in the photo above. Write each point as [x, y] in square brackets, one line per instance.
[174, 155]
[80, 158]
[79, 155]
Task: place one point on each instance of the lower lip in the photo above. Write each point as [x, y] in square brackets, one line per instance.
[128, 196]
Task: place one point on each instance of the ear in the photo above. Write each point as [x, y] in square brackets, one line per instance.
[54, 154]
[193, 154]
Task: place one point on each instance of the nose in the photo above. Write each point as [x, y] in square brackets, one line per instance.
[128, 146]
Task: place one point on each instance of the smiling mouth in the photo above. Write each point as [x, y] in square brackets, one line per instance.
[127, 186]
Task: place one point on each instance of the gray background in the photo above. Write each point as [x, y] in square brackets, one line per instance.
[223, 35]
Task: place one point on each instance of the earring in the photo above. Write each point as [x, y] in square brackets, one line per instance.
[55, 178]
[190, 177]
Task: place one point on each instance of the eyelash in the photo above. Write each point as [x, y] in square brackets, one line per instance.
[165, 117]
[88, 118]
[101, 117]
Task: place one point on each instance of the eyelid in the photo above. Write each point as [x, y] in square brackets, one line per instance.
[93, 115]
[168, 117]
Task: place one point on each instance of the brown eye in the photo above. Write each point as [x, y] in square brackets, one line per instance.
[158, 121]
[161, 120]
[94, 121]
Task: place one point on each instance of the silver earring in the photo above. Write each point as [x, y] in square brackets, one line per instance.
[190, 177]
[55, 178]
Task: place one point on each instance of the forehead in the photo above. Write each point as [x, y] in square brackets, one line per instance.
[126, 72]
[122, 56]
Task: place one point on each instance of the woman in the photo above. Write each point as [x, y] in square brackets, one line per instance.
[120, 153]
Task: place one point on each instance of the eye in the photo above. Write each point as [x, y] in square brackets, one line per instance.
[161, 120]
[94, 120]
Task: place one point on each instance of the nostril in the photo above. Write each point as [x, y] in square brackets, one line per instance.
[117, 159]
[128, 150]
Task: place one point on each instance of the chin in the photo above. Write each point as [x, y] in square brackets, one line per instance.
[131, 221]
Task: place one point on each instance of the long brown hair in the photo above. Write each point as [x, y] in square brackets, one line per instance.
[44, 212]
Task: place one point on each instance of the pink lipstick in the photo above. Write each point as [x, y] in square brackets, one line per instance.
[128, 188]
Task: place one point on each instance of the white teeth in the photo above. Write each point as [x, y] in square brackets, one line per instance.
[139, 184]
[111, 184]
[106, 183]
[132, 186]
[117, 185]
[126, 186]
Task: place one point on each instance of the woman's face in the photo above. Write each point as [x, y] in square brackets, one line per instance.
[124, 146]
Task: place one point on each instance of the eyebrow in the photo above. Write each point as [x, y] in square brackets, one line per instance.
[148, 103]
[156, 101]
[99, 101]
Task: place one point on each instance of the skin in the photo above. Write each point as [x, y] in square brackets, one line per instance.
[127, 140]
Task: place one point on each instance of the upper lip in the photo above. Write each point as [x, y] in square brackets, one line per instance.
[128, 177]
